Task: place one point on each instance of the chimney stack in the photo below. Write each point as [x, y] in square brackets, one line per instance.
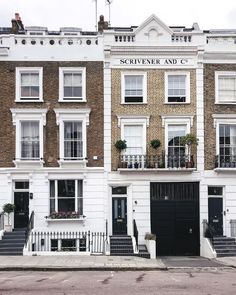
[102, 25]
[17, 24]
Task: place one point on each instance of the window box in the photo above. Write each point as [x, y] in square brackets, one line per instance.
[29, 84]
[134, 88]
[72, 84]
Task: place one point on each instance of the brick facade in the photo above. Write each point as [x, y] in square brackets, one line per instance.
[94, 95]
[155, 108]
[211, 108]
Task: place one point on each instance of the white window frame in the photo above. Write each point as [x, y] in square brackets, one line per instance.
[217, 75]
[72, 70]
[19, 71]
[178, 73]
[69, 115]
[21, 115]
[133, 73]
[76, 193]
[138, 121]
[175, 120]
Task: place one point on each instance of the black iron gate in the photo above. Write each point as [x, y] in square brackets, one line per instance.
[175, 218]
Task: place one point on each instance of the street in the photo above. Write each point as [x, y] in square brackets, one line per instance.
[210, 282]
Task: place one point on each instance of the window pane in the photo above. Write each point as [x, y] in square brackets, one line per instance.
[73, 140]
[66, 205]
[227, 88]
[72, 84]
[134, 87]
[29, 85]
[21, 185]
[133, 134]
[177, 88]
[30, 139]
[66, 189]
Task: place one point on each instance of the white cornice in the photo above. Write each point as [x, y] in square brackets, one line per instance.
[72, 114]
[177, 118]
[134, 117]
[28, 114]
[224, 119]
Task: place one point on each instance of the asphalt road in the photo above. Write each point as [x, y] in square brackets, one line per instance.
[212, 282]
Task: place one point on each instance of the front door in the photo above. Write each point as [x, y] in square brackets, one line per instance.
[119, 216]
[21, 212]
[215, 215]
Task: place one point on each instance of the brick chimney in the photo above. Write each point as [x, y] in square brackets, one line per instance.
[17, 24]
[102, 25]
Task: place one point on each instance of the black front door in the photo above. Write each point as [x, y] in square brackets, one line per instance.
[119, 216]
[215, 215]
[21, 213]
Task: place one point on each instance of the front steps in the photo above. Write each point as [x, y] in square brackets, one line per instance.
[123, 246]
[224, 246]
[12, 243]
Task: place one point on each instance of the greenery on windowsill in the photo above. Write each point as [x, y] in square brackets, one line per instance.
[65, 215]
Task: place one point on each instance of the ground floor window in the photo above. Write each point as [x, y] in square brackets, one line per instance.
[66, 197]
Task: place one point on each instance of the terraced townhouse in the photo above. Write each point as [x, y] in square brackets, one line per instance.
[92, 148]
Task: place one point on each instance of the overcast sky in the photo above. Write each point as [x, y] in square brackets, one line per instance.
[210, 14]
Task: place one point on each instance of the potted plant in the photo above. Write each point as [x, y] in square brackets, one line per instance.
[8, 209]
[189, 140]
[155, 144]
[120, 146]
[151, 244]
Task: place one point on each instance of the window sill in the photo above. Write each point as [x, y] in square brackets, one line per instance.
[233, 103]
[28, 163]
[81, 219]
[72, 100]
[29, 100]
[73, 163]
[225, 170]
[177, 103]
[134, 103]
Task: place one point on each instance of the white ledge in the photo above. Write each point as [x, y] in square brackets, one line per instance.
[82, 219]
[28, 163]
[165, 170]
[225, 170]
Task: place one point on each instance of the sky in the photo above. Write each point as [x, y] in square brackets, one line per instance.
[209, 14]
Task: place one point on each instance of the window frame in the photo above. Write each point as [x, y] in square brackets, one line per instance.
[133, 73]
[178, 73]
[21, 115]
[77, 197]
[219, 74]
[28, 70]
[71, 70]
[72, 115]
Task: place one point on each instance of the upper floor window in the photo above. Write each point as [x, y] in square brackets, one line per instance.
[177, 87]
[134, 86]
[227, 145]
[72, 84]
[133, 134]
[29, 84]
[225, 87]
[73, 140]
[29, 144]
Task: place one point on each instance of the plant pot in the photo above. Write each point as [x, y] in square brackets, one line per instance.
[8, 228]
[189, 164]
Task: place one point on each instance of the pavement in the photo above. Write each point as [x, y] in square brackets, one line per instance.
[69, 262]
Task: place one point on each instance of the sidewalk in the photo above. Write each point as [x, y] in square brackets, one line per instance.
[79, 263]
[68, 262]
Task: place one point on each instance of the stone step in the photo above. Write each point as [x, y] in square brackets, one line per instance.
[217, 239]
[122, 254]
[11, 245]
[125, 251]
[225, 247]
[226, 254]
[224, 243]
[11, 253]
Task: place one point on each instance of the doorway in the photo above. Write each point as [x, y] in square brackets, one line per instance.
[21, 202]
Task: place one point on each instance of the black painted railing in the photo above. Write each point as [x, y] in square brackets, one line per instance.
[223, 161]
[135, 232]
[29, 227]
[90, 242]
[155, 161]
[1, 221]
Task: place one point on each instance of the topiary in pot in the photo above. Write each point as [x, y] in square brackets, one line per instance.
[155, 143]
[8, 209]
[121, 145]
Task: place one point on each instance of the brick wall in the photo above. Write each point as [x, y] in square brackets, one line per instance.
[154, 108]
[94, 95]
[211, 108]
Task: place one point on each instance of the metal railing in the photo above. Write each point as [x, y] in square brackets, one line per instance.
[135, 232]
[1, 221]
[29, 227]
[155, 161]
[233, 228]
[223, 161]
[92, 242]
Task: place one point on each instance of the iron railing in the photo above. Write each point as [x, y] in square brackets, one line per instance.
[155, 161]
[225, 161]
[233, 228]
[135, 232]
[29, 227]
[1, 221]
[92, 242]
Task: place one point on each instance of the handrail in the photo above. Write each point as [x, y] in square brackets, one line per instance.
[29, 227]
[1, 220]
[135, 232]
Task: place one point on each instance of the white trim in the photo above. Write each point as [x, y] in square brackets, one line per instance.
[177, 120]
[77, 115]
[217, 75]
[187, 84]
[133, 119]
[134, 73]
[81, 70]
[39, 71]
[20, 115]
